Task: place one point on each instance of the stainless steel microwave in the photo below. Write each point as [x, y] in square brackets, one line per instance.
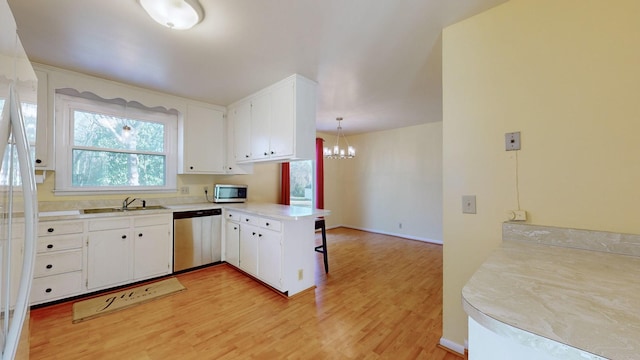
[226, 193]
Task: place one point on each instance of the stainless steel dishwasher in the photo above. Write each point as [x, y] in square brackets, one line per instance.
[196, 238]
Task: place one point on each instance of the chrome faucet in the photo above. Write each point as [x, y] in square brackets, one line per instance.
[126, 202]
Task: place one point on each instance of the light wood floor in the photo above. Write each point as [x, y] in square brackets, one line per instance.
[382, 299]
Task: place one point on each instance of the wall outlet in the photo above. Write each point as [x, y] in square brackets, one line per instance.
[468, 204]
[300, 274]
[512, 141]
[206, 189]
[517, 215]
[184, 190]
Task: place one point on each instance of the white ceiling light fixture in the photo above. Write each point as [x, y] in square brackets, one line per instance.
[174, 14]
[338, 152]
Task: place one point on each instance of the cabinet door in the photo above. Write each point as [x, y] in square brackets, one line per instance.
[249, 249]
[232, 243]
[242, 131]
[270, 258]
[260, 119]
[108, 258]
[152, 251]
[203, 145]
[44, 130]
[282, 125]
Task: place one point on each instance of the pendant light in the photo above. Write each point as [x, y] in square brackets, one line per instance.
[338, 152]
[174, 14]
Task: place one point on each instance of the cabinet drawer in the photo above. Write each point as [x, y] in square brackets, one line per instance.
[56, 243]
[56, 286]
[59, 228]
[109, 224]
[270, 224]
[233, 216]
[152, 220]
[58, 263]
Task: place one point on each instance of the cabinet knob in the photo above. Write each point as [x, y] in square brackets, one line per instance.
[50, 246]
[49, 266]
[247, 220]
[124, 236]
[48, 290]
[235, 228]
[38, 161]
[191, 167]
[265, 154]
[247, 156]
[272, 152]
[259, 235]
[266, 224]
[254, 233]
[230, 168]
[50, 230]
[140, 235]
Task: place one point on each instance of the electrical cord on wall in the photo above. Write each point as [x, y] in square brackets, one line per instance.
[517, 182]
[206, 196]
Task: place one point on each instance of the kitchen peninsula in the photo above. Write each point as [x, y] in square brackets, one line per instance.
[554, 293]
[272, 243]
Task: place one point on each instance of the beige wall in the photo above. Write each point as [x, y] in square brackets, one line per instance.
[565, 73]
[395, 178]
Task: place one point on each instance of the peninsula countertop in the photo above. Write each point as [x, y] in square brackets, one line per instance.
[582, 303]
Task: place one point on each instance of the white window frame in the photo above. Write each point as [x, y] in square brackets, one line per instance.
[66, 104]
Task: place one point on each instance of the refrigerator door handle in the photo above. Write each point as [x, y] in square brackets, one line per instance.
[30, 219]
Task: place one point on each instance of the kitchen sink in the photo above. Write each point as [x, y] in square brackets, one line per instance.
[121, 210]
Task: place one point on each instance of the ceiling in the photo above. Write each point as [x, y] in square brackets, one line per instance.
[377, 62]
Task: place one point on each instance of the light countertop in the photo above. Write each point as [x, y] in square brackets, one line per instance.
[573, 303]
[276, 211]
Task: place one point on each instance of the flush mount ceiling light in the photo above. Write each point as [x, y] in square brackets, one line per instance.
[174, 14]
[338, 152]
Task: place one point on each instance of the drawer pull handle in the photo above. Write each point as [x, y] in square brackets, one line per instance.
[50, 230]
[49, 266]
[48, 290]
[50, 246]
[124, 236]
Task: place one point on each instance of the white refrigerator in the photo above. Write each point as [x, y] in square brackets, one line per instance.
[18, 198]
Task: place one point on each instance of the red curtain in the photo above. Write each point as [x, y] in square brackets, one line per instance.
[319, 173]
[285, 187]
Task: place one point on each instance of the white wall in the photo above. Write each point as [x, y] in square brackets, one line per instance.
[395, 178]
[565, 73]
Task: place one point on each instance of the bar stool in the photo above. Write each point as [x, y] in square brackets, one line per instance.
[323, 248]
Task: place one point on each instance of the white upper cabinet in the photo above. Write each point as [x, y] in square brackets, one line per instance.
[277, 123]
[201, 140]
[243, 136]
[44, 133]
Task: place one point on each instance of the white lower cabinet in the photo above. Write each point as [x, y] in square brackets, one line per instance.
[232, 243]
[108, 257]
[262, 244]
[125, 249]
[249, 249]
[59, 260]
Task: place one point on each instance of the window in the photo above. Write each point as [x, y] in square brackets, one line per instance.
[109, 146]
[29, 114]
[301, 183]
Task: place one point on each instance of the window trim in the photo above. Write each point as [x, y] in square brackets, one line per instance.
[65, 104]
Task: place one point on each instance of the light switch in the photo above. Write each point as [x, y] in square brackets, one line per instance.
[468, 204]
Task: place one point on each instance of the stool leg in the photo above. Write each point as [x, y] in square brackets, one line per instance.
[324, 248]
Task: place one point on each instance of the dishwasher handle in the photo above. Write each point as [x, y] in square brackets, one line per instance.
[196, 213]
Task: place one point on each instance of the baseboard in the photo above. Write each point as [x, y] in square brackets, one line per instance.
[405, 236]
[453, 346]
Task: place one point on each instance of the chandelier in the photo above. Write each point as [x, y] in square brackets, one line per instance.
[338, 152]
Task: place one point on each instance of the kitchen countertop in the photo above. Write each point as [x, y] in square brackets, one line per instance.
[276, 211]
[571, 303]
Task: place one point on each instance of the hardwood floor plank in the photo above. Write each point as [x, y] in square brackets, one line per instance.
[381, 300]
